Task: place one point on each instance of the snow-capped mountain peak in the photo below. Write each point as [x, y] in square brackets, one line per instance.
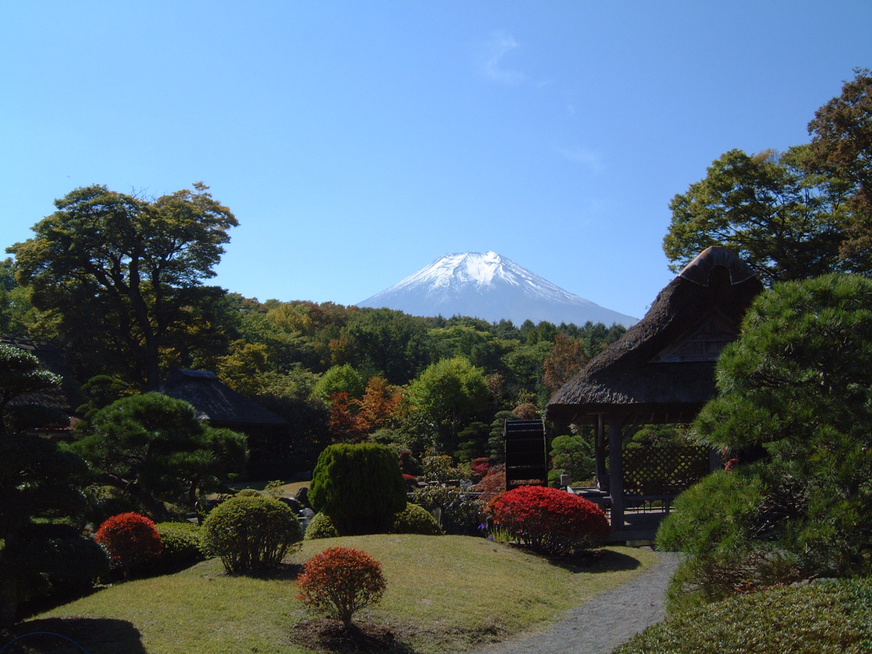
[489, 286]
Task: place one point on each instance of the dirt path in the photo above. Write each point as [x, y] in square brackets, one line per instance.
[603, 623]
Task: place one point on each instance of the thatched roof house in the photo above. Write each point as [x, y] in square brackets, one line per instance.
[217, 403]
[662, 370]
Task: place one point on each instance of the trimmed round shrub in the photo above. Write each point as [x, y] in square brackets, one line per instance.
[321, 526]
[181, 545]
[549, 520]
[132, 541]
[340, 581]
[250, 532]
[359, 486]
[415, 519]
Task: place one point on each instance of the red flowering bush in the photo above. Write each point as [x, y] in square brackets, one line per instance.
[131, 539]
[550, 520]
[340, 581]
[480, 467]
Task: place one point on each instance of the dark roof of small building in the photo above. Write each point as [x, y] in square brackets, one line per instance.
[662, 369]
[216, 402]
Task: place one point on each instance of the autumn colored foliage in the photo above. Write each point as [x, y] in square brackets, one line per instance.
[550, 520]
[131, 539]
[340, 581]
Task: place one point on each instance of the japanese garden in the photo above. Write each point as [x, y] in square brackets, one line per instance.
[184, 469]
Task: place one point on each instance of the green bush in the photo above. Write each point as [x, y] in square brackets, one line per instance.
[415, 519]
[181, 545]
[832, 617]
[359, 486]
[250, 532]
[320, 526]
[462, 512]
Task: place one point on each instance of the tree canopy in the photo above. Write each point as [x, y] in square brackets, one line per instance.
[791, 215]
[124, 270]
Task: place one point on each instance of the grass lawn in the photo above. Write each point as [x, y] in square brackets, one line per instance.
[444, 594]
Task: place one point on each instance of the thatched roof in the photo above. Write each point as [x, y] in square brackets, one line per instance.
[216, 402]
[662, 369]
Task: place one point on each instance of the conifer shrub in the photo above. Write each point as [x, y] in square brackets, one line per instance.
[359, 486]
[250, 532]
[415, 519]
[549, 520]
[132, 541]
[340, 581]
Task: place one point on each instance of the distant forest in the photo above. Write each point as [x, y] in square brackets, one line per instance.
[335, 373]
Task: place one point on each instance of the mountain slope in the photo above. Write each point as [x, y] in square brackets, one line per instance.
[491, 287]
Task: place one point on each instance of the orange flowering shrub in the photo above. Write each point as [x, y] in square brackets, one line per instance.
[550, 520]
[340, 581]
[131, 539]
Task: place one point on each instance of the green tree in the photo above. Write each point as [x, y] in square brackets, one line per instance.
[841, 149]
[763, 207]
[153, 447]
[795, 393]
[123, 270]
[341, 379]
[387, 343]
[446, 397]
[38, 484]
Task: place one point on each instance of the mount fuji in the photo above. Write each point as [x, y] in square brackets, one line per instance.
[491, 287]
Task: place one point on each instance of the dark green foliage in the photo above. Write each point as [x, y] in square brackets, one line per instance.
[573, 454]
[320, 526]
[796, 395]
[359, 486]
[55, 560]
[821, 618]
[154, 447]
[415, 519]
[250, 532]
[181, 545]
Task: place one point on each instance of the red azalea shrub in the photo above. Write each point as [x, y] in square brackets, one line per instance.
[493, 485]
[480, 467]
[340, 581]
[550, 520]
[131, 539]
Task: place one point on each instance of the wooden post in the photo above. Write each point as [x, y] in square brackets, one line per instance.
[616, 470]
[602, 480]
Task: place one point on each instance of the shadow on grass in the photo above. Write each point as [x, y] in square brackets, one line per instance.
[592, 561]
[72, 636]
[281, 572]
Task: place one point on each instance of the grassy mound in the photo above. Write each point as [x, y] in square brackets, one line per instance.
[444, 594]
[831, 617]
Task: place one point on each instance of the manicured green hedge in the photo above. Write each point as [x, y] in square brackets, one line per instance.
[830, 617]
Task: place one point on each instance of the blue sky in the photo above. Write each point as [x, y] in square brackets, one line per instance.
[357, 142]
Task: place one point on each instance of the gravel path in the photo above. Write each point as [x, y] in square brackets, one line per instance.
[601, 624]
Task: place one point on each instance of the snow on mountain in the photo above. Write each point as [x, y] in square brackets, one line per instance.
[491, 287]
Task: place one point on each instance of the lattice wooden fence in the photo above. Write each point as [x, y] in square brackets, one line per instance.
[664, 470]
